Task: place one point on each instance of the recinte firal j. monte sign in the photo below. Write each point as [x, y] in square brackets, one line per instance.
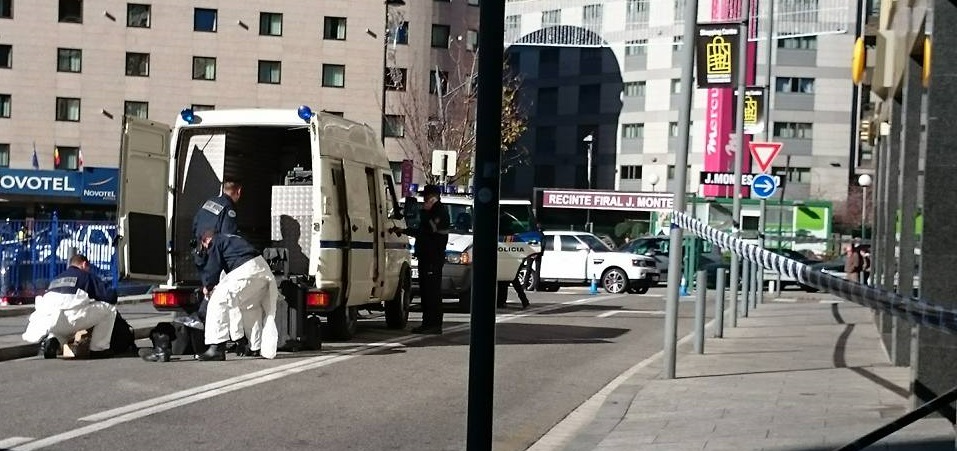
[608, 200]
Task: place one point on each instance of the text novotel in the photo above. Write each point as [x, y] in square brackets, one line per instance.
[37, 183]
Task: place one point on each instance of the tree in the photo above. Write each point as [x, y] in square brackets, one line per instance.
[439, 114]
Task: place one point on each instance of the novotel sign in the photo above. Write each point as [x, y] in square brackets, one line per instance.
[40, 183]
[608, 200]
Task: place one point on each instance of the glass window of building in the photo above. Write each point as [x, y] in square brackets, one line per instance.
[333, 75]
[137, 15]
[637, 12]
[6, 9]
[592, 17]
[137, 64]
[202, 107]
[399, 35]
[438, 80]
[635, 89]
[6, 56]
[793, 174]
[68, 109]
[440, 36]
[676, 86]
[270, 72]
[673, 129]
[636, 47]
[551, 18]
[395, 78]
[204, 68]
[632, 130]
[5, 101]
[71, 11]
[270, 24]
[66, 158]
[205, 19]
[137, 109]
[471, 40]
[513, 27]
[589, 99]
[4, 155]
[800, 43]
[676, 42]
[630, 172]
[69, 60]
[334, 28]
[394, 126]
[799, 85]
[793, 130]
[548, 100]
[679, 13]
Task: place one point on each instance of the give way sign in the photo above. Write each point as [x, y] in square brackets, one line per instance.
[764, 153]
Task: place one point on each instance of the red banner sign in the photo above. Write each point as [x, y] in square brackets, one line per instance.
[608, 200]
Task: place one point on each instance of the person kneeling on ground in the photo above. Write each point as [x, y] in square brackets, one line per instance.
[76, 300]
[248, 285]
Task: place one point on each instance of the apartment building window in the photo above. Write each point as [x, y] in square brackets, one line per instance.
[630, 172]
[440, 36]
[675, 86]
[6, 9]
[636, 47]
[394, 126]
[676, 42]
[589, 99]
[270, 72]
[71, 11]
[137, 64]
[635, 89]
[793, 130]
[551, 18]
[5, 101]
[591, 17]
[792, 174]
[202, 107]
[333, 75]
[673, 129]
[6, 56]
[204, 68]
[137, 109]
[471, 40]
[545, 139]
[680, 11]
[513, 27]
[334, 28]
[395, 78]
[137, 15]
[4, 155]
[631, 131]
[548, 100]
[637, 12]
[67, 109]
[270, 24]
[66, 158]
[801, 43]
[400, 35]
[69, 60]
[794, 84]
[204, 19]
[671, 171]
[434, 79]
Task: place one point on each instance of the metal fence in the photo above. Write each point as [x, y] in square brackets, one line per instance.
[32, 252]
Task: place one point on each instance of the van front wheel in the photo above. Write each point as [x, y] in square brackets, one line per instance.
[397, 309]
[342, 322]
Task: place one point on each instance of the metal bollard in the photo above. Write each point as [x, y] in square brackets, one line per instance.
[745, 288]
[719, 303]
[699, 307]
[755, 270]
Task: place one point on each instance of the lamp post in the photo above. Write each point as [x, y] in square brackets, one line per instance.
[385, 62]
[654, 179]
[864, 180]
[588, 140]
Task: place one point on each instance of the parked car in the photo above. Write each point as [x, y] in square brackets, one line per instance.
[575, 258]
[658, 248]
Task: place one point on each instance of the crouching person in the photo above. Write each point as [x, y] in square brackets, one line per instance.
[76, 300]
[248, 285]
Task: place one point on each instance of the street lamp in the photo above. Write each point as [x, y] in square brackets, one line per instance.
[385, 63]
[654, 181]
[588, 140]
[864, 180]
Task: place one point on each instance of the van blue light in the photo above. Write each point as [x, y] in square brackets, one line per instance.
[305, 113]
[187, 115]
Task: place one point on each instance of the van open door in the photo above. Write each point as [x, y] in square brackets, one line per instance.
[142, 204]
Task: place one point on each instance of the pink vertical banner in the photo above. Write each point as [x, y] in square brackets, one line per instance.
[720, 105]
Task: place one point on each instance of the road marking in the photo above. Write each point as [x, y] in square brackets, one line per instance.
[135, 411]
[639, 312]
[13, 441]
[830, 301]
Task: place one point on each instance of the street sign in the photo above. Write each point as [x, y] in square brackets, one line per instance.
[443, 162]
[763, 186]
[727, 178]
[764, 153]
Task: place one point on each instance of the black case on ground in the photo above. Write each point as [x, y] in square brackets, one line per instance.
[297, 329]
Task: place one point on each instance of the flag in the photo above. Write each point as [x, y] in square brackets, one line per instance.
[56, 158]
[36, 161]
[79, 156]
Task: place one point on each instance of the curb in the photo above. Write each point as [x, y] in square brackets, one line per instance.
[26, 309]
[30, 349]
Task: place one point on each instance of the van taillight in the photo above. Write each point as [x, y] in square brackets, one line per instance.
[168, 299]
[317, 299]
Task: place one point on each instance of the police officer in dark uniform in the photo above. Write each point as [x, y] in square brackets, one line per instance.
[431, 238]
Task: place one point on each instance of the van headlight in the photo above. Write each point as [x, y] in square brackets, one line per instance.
[459, 258]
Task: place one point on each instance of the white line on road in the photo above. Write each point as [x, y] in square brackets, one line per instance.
[113, 417]
[13, 441]
[637, 312]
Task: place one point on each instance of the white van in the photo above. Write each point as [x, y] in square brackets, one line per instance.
[317, 185]
[517, 241]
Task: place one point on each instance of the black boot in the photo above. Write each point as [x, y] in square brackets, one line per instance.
[49, 346]
[214, 352]
[162, 348]
[242, 346]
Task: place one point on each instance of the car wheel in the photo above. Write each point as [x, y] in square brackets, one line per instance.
[614, 281]
[397, 309]
[532, 278]
[642, 289]
[342, 322]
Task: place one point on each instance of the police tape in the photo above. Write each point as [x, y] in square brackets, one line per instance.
[912, 309]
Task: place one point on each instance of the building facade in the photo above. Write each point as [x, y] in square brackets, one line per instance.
[70, 70]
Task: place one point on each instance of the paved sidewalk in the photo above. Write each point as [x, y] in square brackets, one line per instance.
[806, 374]
[137, 310]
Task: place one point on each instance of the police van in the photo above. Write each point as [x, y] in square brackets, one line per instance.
[518, 240]
[318, 198]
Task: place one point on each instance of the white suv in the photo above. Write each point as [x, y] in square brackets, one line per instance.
[575, 258]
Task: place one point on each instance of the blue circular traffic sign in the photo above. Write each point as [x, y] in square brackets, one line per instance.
[763, 186]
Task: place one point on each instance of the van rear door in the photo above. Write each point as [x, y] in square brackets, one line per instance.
[142, 201]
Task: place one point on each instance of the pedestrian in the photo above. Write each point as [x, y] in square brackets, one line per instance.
[248, 286]
[865, 265]
[431, 238]
[852, 263]
[76, 300]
